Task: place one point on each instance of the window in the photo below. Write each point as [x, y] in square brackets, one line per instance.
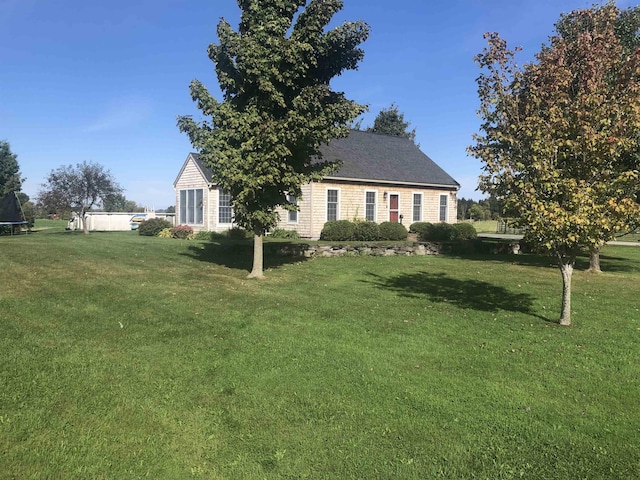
[191, 207]
[292, 215]
[370, 206]
[417, 207]
[443, 208]
[225, 212]
[333, 204]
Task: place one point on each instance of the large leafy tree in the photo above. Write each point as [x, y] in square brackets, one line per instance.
[262, 139]
[10, 178]
[120, 203]
[627, 30]
[558, 135]
[78, 189]
[390, 121]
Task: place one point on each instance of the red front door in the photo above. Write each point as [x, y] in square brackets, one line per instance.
[393, 207]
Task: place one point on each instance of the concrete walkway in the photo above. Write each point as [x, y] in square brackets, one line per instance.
[518, 237]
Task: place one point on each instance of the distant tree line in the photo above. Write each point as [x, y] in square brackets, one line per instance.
[486, 209]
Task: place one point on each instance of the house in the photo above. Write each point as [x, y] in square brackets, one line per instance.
[382, 178]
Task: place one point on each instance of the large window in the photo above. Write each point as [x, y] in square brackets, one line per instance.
[333, 204]
[292, 215]
[443, 208]
[225, 212]
[191, 209]
[417, 207]
[370, 206]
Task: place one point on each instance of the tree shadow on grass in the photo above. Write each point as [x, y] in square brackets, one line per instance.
[608, 263]
[469, 294]
[611, 263]
[482, 250]
[239, 255]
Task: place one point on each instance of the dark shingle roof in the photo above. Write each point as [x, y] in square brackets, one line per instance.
[371, 156]
[374, 157]
[206, 171]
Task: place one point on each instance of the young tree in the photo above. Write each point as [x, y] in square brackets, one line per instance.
[78, 189]
[10, 178]
[626, 28]
[277, 108]
[555, 136]
[391, 122]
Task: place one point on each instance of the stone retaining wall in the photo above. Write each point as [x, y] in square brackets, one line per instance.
[303, 250]
[381, 250]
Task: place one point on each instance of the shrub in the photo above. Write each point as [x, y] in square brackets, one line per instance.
[165, 233]
[445, 232]
[465, 231]
[439, 232]
[205, 235]
[282, 233]
[367, 231]
[238, 233]
[183, 232]
[392, 231]
[153, 226]
[29, 210]
[338, 230]
[421, 228]
[416, 226]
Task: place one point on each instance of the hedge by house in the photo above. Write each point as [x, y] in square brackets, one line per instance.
[367, 232]
[443, 232]
[338, 231]
[345, 230]
[393, 231]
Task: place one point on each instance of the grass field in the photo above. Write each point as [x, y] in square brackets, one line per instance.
[491, 226]
[124, 356]
[486, 226]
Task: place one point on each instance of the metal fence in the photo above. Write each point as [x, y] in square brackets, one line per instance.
[504, 227]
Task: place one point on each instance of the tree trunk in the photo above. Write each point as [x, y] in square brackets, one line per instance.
[594, 261]
[85, 224]
[256, 272]
[566, 268]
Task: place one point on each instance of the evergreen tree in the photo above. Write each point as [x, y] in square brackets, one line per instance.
[391, 122]
[10, 178]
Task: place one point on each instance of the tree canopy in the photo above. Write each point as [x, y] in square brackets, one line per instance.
[560, 135]
[120, 203]
[262, 140]
[10, 178]
[78, 189]
[390, 121]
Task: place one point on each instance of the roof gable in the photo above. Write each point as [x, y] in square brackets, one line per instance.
[204, 170]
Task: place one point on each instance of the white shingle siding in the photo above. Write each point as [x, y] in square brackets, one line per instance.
[313, 205]
[397, 164]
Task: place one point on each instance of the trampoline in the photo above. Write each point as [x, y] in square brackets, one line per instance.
[11, 214]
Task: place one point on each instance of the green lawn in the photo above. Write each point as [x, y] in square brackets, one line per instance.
[486, 226]
[491, 226]
[133, 357]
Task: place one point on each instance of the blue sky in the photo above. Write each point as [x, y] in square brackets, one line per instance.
[103, 81]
